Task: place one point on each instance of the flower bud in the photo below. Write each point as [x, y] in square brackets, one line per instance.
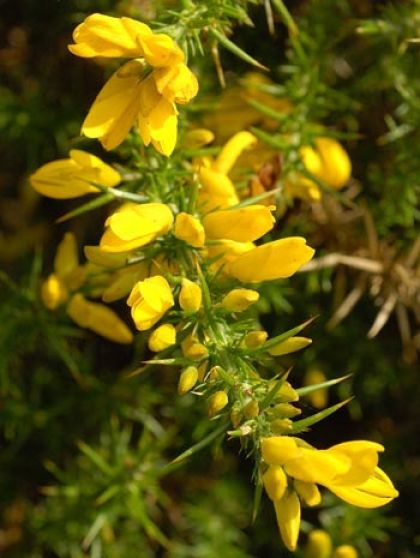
[162, 337]
[254, 339]
[308, 492]
[214, 374]
[192, 348]
[319, 544]
[319, 397]
[291, 345]
[190, 296]
[187, 380]
[280, 426]
[275, 482]
[189, 229]
[235, 416]
[252, 409]
[239, 300]
[198, 138]
[53, 292]
[216, 403]
[345, 551]
[286, 394]
[284, 410]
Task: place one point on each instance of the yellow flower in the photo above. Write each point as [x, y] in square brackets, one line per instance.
[291, 345]
[144, 89]
[135, 225]
[345, 551]
[73, 177]
[60, 287]
[187, 380]
[189, 229]
[190, 296]
[162, 337]
[275, 482]
[244, 224]
[149, 301]
[225, 251]
[319, 544]
[217, 190]
[273, 260]
[328, 162]
[98, 318]
[239, 300]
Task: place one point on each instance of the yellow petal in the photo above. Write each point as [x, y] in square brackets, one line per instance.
[317, 466]
[244, 224]
[189, 229]
[278, 450]
[364, 459]
[319, 544]
[53, 292]
[187, 380]
[176, 83]
[273, 260]
[288, 519]
[345, 551]
[98, 318]
[275, 482]
[116, 107]
[336, 164]
[160, 50]
[101, 35]
[233, 148]
[216, 402]
[66, 258]
[308, 492]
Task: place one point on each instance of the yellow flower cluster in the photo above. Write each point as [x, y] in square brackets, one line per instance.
[184, 255]
[349, 470]
[144, 90]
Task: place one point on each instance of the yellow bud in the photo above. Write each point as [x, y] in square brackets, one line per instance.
[202, 369]
[239, 300]
[345, 551]
[252, 409]
[275, 482]
[319, 544]
[286, 394]
[189, 229]
[319, 397]
[254, 339]
[53, 292]
[308, 492]
[192, 348]
[285, 410]
[288, 519]
[291, 345]
[190, 296]
[187, 380]
[216, 403]
[162, 337]
[198, 138]
[214, 374]
[280, 426]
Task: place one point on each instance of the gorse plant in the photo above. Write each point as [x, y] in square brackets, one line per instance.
[187, 245]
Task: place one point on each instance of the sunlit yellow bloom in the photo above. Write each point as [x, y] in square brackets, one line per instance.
[273, 260]
[345, 551]
[190, 296]
[217, 401]
[150, 300]
[319, 397]
[98, 318]
[239, 300]
[319, 544]
[133, 93]
[135, 225]
[74, 177]
[244, 224]
[328, 162]
[291, 345]
[288, 519]
[217, 190]
[162, 337]
[189, 229]
[349, 469]
[187, 380]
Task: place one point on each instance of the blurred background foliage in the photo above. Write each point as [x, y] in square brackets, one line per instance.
[85, 448]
